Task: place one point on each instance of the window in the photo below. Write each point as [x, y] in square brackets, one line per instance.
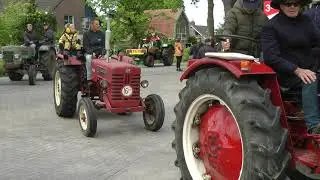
[85, 23]
[68, 19]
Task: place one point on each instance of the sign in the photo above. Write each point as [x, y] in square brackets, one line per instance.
[268, 10]
[136, 51]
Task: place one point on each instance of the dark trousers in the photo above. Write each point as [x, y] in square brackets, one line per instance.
[179, 58]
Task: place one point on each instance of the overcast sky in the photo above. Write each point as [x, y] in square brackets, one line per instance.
[199, 13]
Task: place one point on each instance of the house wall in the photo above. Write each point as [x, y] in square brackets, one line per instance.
[182, 28]
[73, 8]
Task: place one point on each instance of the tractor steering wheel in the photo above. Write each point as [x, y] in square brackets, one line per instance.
[254, 51]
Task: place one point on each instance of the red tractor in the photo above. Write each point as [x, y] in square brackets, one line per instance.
[115, 87]
[234, 122]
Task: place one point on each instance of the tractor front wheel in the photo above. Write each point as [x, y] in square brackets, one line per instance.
[32, 73]
[227, 128]
[14, 76]
[87, 117]
[65, 88]
[154, 113]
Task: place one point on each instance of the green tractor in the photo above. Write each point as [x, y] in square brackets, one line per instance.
[21, 60]
[156, 49]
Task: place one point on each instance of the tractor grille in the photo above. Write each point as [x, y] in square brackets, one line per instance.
[119, 81]
[8, 56]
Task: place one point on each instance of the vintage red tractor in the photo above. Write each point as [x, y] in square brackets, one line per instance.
[115, 87]
[234, 122]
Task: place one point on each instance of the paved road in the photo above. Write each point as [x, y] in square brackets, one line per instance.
[36, 144]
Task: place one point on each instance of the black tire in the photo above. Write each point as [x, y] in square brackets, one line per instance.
[13, 76]
[32, 73]
[302, 172]
[125, 114]
[91, 117]
[153, 115]
[149, 61]
[264, 140]
[66, 107]
[49, 61]
[167, 57]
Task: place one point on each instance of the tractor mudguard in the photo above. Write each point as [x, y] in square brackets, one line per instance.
[232, 66]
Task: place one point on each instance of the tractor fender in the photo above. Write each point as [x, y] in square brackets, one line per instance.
[197, 64]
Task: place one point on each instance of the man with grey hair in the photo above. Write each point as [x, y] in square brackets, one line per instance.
[209, 46]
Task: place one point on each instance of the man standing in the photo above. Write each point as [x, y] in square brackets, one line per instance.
[178, 53]
[93, 44]
[209, 46]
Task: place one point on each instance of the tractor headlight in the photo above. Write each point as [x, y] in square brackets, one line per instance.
[104, 84]
[144, 83]
[16, 56]
[1, 56]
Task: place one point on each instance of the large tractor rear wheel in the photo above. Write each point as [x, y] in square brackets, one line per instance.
[14, 76]
[49, 61]
[227, 128]
[65, 89]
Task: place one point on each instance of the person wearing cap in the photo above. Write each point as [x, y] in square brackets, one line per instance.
[287, 42]
[48, 35]
[209, 46]
[246, 18]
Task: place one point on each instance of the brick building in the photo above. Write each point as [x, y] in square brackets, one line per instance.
[173, 23]
[69, 11]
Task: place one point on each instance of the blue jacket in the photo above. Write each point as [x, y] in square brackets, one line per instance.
[287, 44]
[314, 14]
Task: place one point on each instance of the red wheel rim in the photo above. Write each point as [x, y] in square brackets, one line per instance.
[220, 144]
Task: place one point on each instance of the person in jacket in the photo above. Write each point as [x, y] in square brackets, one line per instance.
[194, 50]
[93, 44]
[314, 13]
[48, 35]
[245, 19]
[287, 42]
[68, 42]
[209, 46]
[178, 53]
[30, 37]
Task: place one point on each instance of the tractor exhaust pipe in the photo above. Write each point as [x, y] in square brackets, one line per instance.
[107, 39]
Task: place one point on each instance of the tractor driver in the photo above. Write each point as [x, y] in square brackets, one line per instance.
[93, 44]
[245, 19]
[287, 42]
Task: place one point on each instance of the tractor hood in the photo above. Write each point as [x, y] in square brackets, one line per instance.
[22, 50]
[102, 67]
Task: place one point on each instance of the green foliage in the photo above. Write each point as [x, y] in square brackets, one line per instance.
[192, 40]
[220, 28]
[186, 54]
[1, 68]
[17, 15]
[129, 22]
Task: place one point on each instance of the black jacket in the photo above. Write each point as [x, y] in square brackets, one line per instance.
[29, 36]
[204, 49]
[287, 44]
[94, 42]
[49, 37]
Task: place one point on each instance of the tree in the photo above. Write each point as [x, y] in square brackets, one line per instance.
[210, 19]
[17, 15]
[128, 17]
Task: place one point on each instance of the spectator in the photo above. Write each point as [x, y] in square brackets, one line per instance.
[209, 46]
[178, 53]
